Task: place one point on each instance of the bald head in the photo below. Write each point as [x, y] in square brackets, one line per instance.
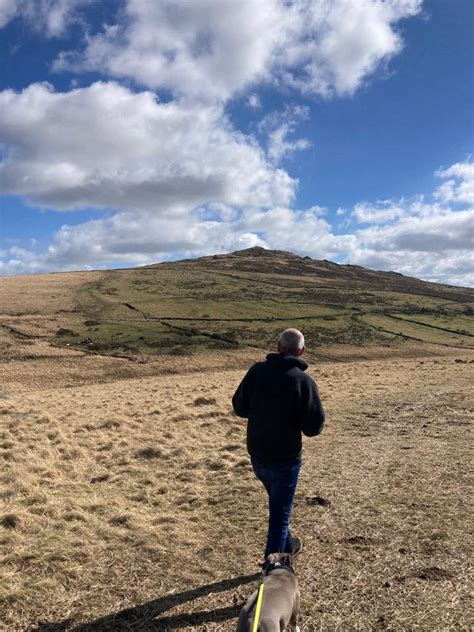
[291, 342]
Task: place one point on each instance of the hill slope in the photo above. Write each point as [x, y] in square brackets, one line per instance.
[242, 299]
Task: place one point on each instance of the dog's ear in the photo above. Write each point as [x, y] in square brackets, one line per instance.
[287, 559]
[272, 558]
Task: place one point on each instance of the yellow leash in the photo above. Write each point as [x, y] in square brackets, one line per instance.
[256, 621]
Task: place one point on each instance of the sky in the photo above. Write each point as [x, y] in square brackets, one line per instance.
[138, 131]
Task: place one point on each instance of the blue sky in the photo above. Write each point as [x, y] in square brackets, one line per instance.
[135, 132]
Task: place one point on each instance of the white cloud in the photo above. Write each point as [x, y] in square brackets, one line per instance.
[380, 213]
[429, 240]
[280, 147]
[203, 48]
[278, 126]
[213, 50]
[107, 147]
[419, 237]
[178, 176]
[441, 231]
[141, 238]
[302, 231]
[132, 238]
[8, 10]
[453, 268]
[436, 245]
[254, 102]
[459, 184]
[50, 16]
[339, 43]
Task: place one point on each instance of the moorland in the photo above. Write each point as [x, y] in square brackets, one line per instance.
[128, 500]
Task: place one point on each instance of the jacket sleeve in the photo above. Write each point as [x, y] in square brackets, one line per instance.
[312, 412]
[241, 398]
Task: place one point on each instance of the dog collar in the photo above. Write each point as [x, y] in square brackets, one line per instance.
[271, 567]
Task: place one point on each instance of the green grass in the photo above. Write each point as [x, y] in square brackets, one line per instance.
[409, 329]
[227, 302]
[125, 337]
[457, 323]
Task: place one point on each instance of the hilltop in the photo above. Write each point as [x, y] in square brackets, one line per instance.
[232, 301]
[280, 262]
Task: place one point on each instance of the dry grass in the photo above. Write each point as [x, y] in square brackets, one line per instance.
[42, 293]
[127, 498]
[129, 502]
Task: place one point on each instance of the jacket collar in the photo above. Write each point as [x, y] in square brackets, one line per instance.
[288, 360]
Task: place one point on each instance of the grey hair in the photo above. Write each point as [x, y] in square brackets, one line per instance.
[291, 341]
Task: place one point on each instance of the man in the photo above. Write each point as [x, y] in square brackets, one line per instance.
[280, 402]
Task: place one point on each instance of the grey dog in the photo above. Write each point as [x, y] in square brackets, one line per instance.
[281, 598]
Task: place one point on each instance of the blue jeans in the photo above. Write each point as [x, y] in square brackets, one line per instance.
[280, 480]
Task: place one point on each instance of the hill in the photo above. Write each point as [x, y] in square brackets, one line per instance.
[237, 300]
[128, 499]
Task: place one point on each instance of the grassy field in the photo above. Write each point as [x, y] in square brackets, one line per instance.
[131, 505]
[128, 501]
[427, 330]
[243, 300]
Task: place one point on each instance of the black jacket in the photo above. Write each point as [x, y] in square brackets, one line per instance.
[280, 402]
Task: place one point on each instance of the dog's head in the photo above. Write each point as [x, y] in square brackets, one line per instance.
[275, 560]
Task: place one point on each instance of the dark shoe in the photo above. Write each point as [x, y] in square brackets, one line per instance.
[296, 546]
